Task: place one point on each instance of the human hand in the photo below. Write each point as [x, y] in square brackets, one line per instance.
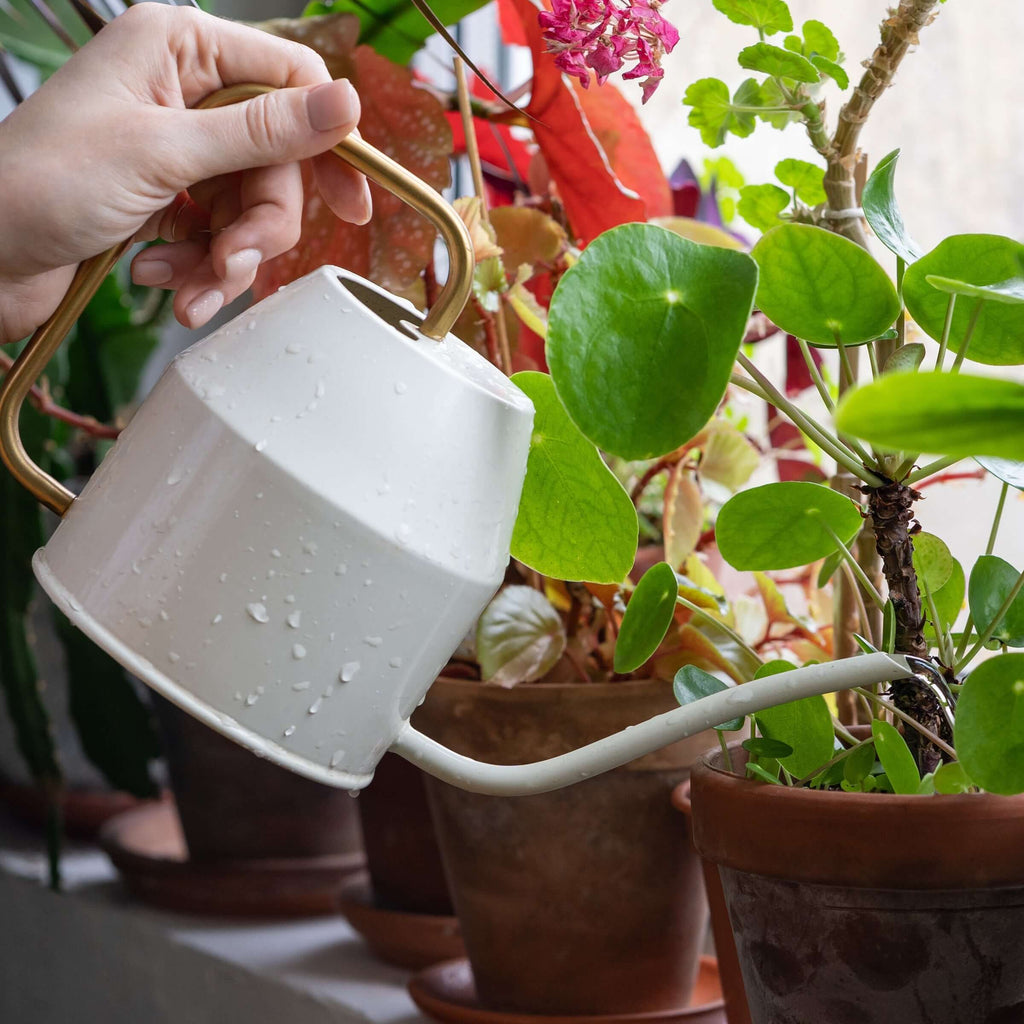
[106, 149]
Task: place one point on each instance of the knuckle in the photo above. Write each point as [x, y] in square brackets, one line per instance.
[265, 123]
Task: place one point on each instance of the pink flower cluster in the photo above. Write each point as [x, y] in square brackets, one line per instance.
[600, 36]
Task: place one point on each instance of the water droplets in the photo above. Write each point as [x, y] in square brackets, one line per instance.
[340, 569]
[251, 699]
[165, 617]
[258, 612]
[251, 325]
[337, 757]
[309, 547]
[403, 533]
[294, 619]
[401, 387]
[304, 685]
[260, 445]
[216, 619]
[289, 599]
[373, 641]
[395, 662]
[298, 652]
[348, 671]
[321, 389]
[293, 348]
[289, 731]
[275, 553]
[175, 478]
[173, 657]
[315, 706]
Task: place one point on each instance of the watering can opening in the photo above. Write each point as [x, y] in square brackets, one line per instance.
[400, 317]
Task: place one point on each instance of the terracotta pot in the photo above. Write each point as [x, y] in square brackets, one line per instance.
[584, 901]
[235, 806]
[402, 854]
[868, 908]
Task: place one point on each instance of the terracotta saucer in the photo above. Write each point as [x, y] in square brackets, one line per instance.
[447, 993]
[147, 847]
[84, 810]
[396, 936]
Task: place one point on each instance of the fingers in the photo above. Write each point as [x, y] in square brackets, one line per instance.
[343, 188]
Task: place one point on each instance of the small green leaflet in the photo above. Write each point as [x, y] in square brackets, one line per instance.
[806, 180]
[760, 205]
[649, 613]
[883, 213]
[692, 683]
[770, 16]
[897, 760]
[989, 731]
[778, 62]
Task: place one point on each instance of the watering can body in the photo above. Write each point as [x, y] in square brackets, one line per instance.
[305, 518]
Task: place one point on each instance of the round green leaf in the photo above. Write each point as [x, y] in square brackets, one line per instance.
[998, 337]
[937, 412]
[761, 746]
[519, 637]
[882, 212]
[642, 335]
[949, 598]
[770, 16]
[897, 760]
[951, 778]
[906, 359]
[858, 765]
[1007, 470]
[933, 562]
[692, 683]
[989, 731]
[648, 615]
[806, 726]
[816, 285]
[575, 521]
[780, 63]
[779, 526]
[992, 579]
[804, 178]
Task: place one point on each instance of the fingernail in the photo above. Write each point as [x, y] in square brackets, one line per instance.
[150, 273]
[204, 307]
[242, 265]
[364, 205]
[331, 105]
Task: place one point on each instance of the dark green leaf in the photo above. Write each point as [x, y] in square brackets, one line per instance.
[519, 637]
[760, 205]
[889, 625]
[770, 16]
[858, 765]
[980, 260]
[933, 562]
[692, 683]
[906, 359]
[951, 778]
[648, 615]
[753, 768]
[828, 568]
[643, 332]
[774, 668]
[816, 285]
[883, 213]
[761, 746]
[832, 69]
[806, 726]
[937, 412]
[992, 579]
[575, 521]
[780, 63]
[818, 39]
[779, 526]
[1007, 470]
[896, 758]
[989, 730]
[949, 599]
[806, 179]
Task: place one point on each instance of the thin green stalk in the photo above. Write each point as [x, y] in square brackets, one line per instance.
[812, 368]
[944, 342]
[991, 628]
[989, 548]
[933, 467]
[851, 561]
[873, 360]
[731, 633]
[844, 360]
[945, 645]
[955, 368]
[858, 597]
[846, 752]
[726, 756]
[901, 320]
[904, 717]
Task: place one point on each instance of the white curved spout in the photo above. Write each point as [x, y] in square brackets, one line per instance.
[637, 740]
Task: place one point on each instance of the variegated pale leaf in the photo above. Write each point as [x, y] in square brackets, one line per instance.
[684, 515]
[729, 458]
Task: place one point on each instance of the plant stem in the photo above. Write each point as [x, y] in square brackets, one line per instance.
[991, 628]
[812, 368]
[731, 633]
[873, 360]
[909, 719]
[846, 752]
[869, 587]
[975, 313]
[941, 637]
[944, 342]
[933, 467]
[858, 597]
[726, 756]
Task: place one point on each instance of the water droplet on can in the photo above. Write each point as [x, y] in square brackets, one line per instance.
[298, 652]
[258, 612]
[294, 619]
[348, 671]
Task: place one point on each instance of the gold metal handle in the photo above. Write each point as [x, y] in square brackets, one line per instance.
[90, 275]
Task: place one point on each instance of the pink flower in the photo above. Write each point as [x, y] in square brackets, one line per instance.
[602, 36]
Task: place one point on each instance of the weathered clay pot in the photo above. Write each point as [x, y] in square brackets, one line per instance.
[584, 901]
[235, 806]
[868, 908]
[402, 854]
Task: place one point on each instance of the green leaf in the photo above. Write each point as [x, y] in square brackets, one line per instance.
[1010, 292]
[753, 768]
[692, 683]
[806, 726]
[937, 412]
[395, 28]
[780, 525]
[889, 625]
[980, 260]
[780, 63]
[883, 213]
[760, 205]
[949, 598]
[906, 359]
[989, 731]
[816, 284]
[828, 568]
[832, 69]
[770, 16]
[1007, 470]
[818, 39]
[727, 458]
[114, 726]
[932, 562]
[992, 579]
[761, 746]
[26, 35]
[774, 103]
[649, 613]
[519, 637]
[897, 760]
[714, 114]
[774, 668]
[951, 778]
[859, 764]
[575, 521]
[805, 178]
[643, 332]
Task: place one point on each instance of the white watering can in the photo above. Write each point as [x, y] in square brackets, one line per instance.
[307, 515]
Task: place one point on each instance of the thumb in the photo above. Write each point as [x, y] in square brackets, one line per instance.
[273, 128]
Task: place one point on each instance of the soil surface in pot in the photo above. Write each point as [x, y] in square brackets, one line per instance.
[852, 908]
[584, 901]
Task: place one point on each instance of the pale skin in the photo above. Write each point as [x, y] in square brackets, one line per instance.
[108, 149]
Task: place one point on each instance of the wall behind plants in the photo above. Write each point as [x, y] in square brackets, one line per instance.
[953, 110]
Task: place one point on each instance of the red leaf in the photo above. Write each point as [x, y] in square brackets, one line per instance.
[402, 121]
[798, 375]
[512, 33]
[594, 195]
[784, 436]
[495, 142]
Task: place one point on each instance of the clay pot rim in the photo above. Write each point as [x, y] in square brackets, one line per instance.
[865, 840]
[568, 685]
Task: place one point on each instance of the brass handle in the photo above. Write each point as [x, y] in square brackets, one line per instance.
[90, 275]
